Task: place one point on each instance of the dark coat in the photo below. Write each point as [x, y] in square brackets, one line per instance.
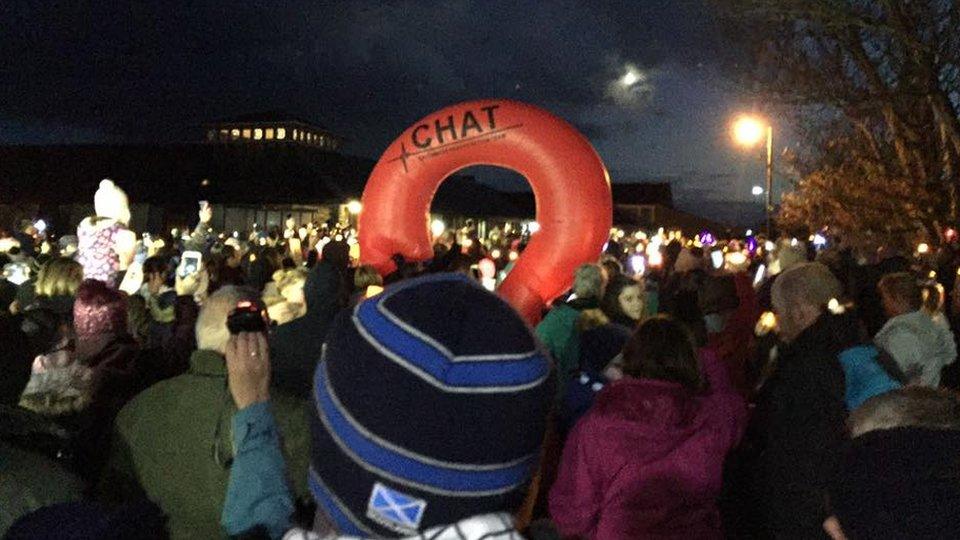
[295, 347]
[798, 431]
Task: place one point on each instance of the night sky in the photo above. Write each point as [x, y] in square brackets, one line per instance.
[153, 70]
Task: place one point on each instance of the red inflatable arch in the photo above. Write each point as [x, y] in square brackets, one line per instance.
[569, 181]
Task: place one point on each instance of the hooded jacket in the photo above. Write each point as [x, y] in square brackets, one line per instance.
[295, 347]
[920, 346]
[647, 460]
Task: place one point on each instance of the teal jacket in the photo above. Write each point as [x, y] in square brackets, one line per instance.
[865, 378]
[258, 493]
[558, 332]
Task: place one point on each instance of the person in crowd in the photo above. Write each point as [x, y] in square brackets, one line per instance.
[228, 271]
[601, 362]
[48, 318]
[451, 459]
[558, 330]
[173, 440]
[785, 258]
[679, 289]
[899, 476]
[623, 302]
[106, 244]
[728, 306]
[868, 372]
[365, 277]
[59, 385]
[30, 476]
[296, 346]
[203, 235]
[263, 263]
[798, 425]
[159, 298]
[647, 459]
[920, 346]
[288, 303]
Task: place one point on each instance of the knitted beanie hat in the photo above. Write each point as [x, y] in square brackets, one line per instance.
[99, 309]
[899, 483]
[429, 406]
[110, 201]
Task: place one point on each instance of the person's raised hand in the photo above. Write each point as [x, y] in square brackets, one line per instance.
[205, 214]
[248, 368]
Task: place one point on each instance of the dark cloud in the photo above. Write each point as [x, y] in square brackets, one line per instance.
[367, 69]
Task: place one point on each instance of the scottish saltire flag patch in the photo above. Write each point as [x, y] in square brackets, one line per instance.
[395, 510]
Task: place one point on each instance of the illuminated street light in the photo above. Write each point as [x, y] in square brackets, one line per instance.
[354, 207]
[749, 131]
[757, 191]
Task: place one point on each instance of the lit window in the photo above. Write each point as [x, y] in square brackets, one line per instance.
[224, 133]
[235, 133]
[268, 133]
[257, 134]
[281, 133]
[296, 135]
[246, 133]
[211, 135]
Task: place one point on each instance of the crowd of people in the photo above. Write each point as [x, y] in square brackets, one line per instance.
[213, 384]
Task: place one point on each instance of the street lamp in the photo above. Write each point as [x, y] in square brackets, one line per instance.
[757, 191]
[749, 131]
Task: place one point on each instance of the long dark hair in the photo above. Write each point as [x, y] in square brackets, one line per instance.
[663, 348]
[610, 304]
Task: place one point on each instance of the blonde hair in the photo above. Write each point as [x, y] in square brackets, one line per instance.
[59, 277]
[365, 276]
[289, 278]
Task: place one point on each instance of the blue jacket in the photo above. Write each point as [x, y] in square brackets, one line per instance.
[865, 378]
[257, 493]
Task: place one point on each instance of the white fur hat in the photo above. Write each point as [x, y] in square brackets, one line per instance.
[110, 201]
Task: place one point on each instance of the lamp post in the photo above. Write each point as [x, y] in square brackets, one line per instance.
[748, 131]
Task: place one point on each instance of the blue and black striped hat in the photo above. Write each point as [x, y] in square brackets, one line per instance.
[430, 406]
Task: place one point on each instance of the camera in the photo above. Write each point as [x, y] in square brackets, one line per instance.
[248, 316]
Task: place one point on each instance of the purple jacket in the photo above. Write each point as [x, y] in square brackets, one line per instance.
[647, 460]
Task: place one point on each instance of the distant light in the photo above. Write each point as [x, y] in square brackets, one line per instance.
[467, 243]
[757, 190]
[205, 182]
[533, 227]
[819, 240]
[656, 259]
[354, 207]
[748, 130]
[437, 227]
[706, 238]
[794, 242]
[495, 254]
[737, 258]
[932, 274]
[338, 238]
[923, 249]
[769, 245]
[630, 78]
[639, 264]
[749, 232]
[513, 256]
[834, 306]
[40, 225]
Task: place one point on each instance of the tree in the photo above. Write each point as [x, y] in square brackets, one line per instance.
[873, 87]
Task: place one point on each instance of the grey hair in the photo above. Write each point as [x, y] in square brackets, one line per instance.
[807, 283]
[588, 281]
[913, 406]
[211, 329]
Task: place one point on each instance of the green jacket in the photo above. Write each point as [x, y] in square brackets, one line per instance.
[173, 442]
[558, 332]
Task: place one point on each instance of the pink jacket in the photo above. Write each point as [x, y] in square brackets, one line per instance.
[646, 461]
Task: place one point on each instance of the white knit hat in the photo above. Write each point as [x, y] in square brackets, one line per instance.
[111, 202]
